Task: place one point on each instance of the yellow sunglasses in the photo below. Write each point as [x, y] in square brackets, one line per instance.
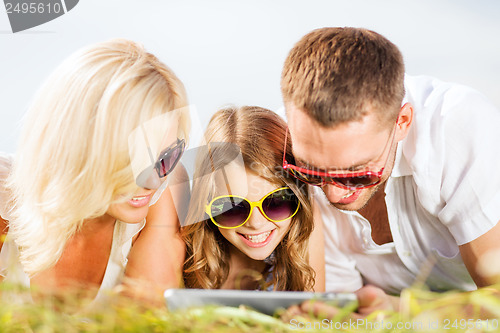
[233, 211]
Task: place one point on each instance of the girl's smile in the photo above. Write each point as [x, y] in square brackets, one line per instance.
[257, 240]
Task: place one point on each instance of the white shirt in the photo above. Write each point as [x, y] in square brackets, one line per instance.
[444, 191]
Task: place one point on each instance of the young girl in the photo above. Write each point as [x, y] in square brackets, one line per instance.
[252, 223]
[75, 198]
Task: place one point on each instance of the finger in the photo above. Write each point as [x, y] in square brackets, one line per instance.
[370, 296]
[319, 309]
[294, 310]
[291, 312]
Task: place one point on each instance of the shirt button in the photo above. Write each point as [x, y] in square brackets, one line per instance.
[365, 240]
[407, 253]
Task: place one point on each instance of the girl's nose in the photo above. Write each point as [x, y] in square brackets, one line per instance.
[256, 220]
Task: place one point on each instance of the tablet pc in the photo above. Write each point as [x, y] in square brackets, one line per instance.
[264, 301]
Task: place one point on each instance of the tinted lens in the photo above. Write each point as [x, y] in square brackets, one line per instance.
[313, 180]
[230, 211]
[355, 182]
[167, 163]
[280, 205]
[169, 158]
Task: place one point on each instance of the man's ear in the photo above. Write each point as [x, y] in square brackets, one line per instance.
[405, 120]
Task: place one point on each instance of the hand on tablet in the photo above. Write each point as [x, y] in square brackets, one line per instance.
[370, 299]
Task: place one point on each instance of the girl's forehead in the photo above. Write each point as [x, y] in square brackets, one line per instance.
[231, 180]
[238, 180]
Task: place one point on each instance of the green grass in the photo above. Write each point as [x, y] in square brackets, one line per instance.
[421, 311]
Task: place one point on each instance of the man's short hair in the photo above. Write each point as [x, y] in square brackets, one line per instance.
[336, 74]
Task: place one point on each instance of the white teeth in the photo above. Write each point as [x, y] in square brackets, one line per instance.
[258, 238]
[138, 198]
[347, 195]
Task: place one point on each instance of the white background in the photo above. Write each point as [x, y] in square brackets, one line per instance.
[232, 51]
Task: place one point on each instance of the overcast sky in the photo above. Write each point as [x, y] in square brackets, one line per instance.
[231, 52]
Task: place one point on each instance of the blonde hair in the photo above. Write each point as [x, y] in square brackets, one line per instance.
[260, 135]
[335, 74]
[73, 159]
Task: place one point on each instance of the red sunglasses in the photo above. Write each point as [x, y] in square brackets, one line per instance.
[350, 180]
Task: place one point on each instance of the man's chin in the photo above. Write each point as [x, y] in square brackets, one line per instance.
[351, 207]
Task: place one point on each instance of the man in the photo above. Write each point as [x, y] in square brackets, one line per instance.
[406, 168]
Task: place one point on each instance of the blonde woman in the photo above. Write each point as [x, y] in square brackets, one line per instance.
[72, 200]
[249, 227]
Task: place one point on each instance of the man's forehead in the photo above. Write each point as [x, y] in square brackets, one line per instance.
[344, 146]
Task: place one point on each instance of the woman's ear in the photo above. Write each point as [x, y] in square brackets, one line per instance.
[404, 121]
